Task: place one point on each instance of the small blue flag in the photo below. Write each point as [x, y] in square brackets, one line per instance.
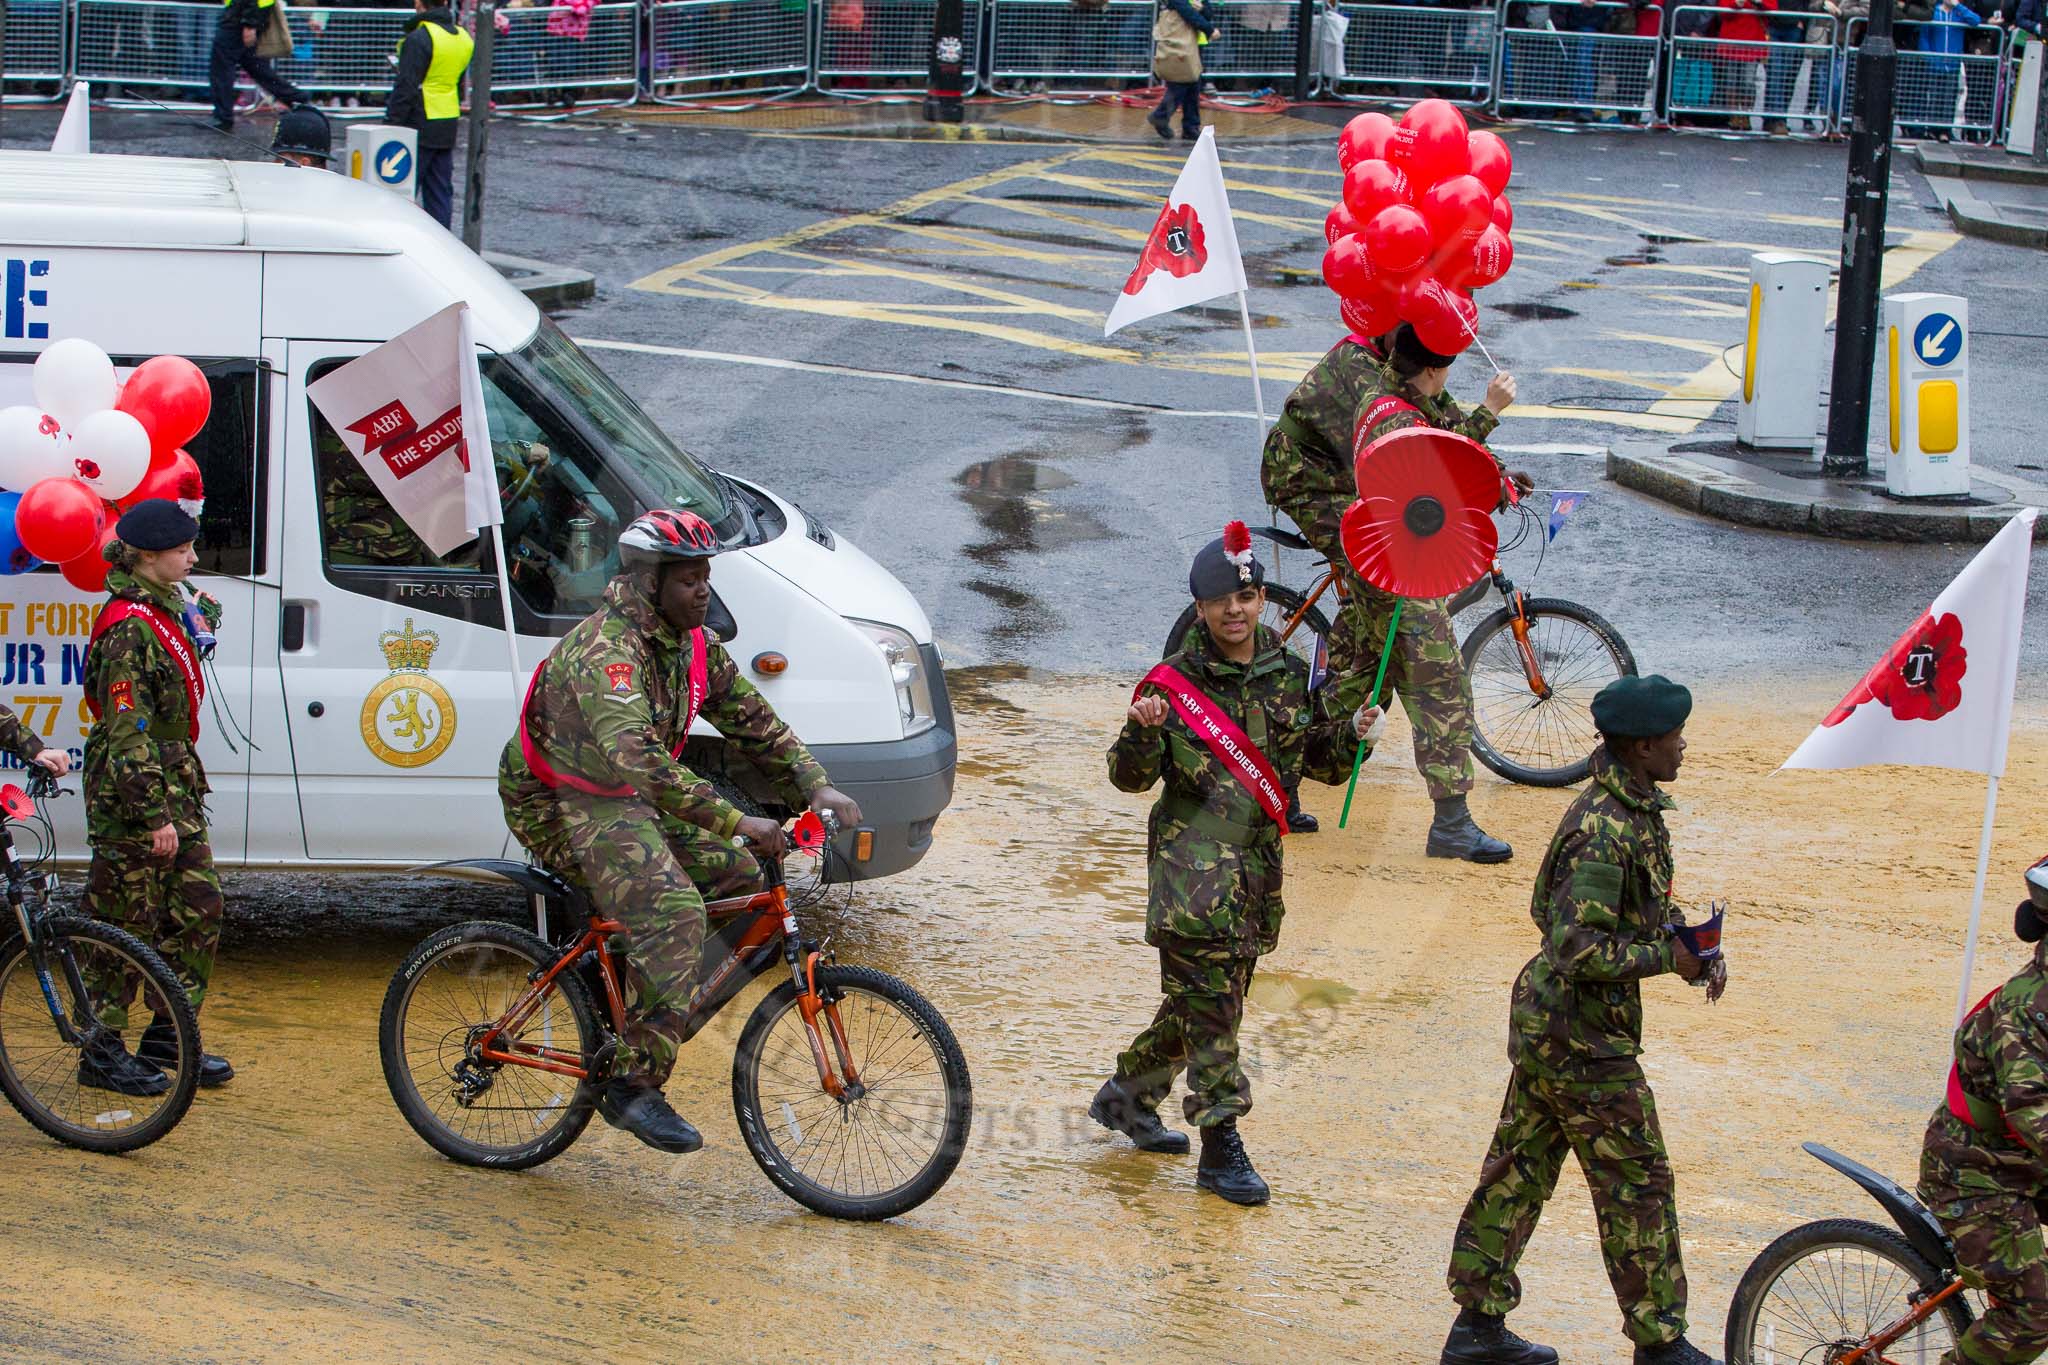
[1562, 504]
[1319, 667]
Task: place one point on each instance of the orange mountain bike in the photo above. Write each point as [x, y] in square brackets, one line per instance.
[851, 1091]
[1846, 1292]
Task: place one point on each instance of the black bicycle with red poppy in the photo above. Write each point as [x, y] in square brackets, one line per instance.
[1535, 663]
[851, 1091]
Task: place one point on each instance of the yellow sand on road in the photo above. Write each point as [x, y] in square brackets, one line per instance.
[295, 1216]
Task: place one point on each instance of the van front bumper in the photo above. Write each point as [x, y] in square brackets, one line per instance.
[903, 786]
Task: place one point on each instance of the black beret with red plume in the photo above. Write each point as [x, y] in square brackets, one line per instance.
[1226, 565]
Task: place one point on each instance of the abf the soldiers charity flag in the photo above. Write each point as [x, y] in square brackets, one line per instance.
[1941, 697]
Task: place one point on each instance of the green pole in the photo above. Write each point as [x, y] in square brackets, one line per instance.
[1358, 758]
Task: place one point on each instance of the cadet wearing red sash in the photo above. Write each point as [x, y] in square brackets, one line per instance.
[152, 865]
[1229, 728]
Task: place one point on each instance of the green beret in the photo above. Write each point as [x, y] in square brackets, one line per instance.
[1641, 708]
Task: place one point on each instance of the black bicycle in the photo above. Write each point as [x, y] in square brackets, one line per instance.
[1535, 662]
[58, 976]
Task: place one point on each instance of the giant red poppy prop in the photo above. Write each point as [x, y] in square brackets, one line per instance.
[1423, 522]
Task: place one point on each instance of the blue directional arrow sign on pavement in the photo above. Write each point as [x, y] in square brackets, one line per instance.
[394, 163]
[1938, 339]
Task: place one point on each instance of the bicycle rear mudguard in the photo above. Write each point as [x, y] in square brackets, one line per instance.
[1921, 1231]
[526, 876]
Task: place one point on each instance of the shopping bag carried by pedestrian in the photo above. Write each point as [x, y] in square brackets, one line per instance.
[1176, 57]
[275, 42]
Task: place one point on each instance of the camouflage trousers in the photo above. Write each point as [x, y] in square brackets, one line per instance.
[1999, 1248]
[1611, 1125]
[173, 905]
[1196, 1027]
[1426, 671]
[650, 873]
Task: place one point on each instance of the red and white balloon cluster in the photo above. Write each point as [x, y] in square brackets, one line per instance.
[90, 447]
[1423, 223]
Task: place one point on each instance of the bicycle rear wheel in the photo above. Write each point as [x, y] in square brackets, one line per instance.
[1541, 741]
[1824, 1288]
[39, 1070]
[865, 1158]
[1282, 602]
[451, 988]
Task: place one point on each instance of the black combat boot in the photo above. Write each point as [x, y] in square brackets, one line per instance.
[1482, 1339]
[1454, 835]
[1679, 1352]
[643, 1111]
[1118, 1110]
[1299, 821]
[1225, 1169]
[160, 1045]
[106, 1065]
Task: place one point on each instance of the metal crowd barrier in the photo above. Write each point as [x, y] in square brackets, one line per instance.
[547, 52]
[862, 42]
[1057, 40]
[35, 55]
[1961, 94]
[1254, 40]
[1416, 51]
[705, 48]
[339, 52]
[1543, 71]
[160, 46]
[1762, 81]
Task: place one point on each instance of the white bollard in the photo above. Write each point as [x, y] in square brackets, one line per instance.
[1788, 317]
[1927, 369]
[381, 154]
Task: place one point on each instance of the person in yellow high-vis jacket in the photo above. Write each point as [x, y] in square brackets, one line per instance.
[234, 48]
[428, 97]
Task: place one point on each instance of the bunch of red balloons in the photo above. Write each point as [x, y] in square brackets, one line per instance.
[90, 447]
[1424, 222]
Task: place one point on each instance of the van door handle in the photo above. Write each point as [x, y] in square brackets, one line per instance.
[291, 631]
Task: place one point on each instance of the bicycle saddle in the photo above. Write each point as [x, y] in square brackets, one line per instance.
[1285, 539]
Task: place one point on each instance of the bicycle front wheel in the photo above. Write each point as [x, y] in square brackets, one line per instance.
[1822, 1289]
[1546, 739]
[449, 991]
[89, 963]
[865, 1157]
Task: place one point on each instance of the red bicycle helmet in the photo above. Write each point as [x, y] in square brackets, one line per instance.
[665, 536]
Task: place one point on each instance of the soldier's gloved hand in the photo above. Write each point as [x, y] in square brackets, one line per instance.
[1148, 711]
[1369, 723]
[763, 836]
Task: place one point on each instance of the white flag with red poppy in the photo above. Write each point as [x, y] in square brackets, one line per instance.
[1941, 697]
[1191, 255]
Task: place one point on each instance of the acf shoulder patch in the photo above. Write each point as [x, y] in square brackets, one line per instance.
[621, 675]
[1597, 882]
[122, 695]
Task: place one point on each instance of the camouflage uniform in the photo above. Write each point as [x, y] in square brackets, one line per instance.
[141, 773]
[1214, 857]
[609, 707]
[16, 738]
[361, 526]
[1988, 1186]
[1307, 473]
[1603, 903]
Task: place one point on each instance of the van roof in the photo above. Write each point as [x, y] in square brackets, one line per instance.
[162, 202]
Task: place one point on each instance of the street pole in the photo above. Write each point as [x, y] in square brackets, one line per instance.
[479, 126]
[1304, 50]
[946, 79]
[1863, 209]
[2040, 103]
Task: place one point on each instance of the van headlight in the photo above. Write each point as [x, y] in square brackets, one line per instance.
[906, 672]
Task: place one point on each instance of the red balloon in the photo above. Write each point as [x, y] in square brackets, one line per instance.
[1365, 138]
[1456, 209]
[176, 478]
[1492, 253]
[88, 572]
[59, 519]
[1491, 160]
[1339, 222]
[1396, 240]
[1369, 317]
[1370, 186]
[1503, 213]
[1344, 268]
[169, 395]
[1431, 143]
[1445, 320]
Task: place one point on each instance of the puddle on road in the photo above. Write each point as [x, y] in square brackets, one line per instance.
[1004, 494]
[1536, 312]
[1284, 992]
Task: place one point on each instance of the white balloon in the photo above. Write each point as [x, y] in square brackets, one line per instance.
[110, 453]
[74, 379]
[33, 447]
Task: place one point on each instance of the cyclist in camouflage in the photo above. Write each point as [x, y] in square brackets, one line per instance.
[594, 786]
[1307, 473]
[1984, 1162]
[1603, 906]
[1213, 852]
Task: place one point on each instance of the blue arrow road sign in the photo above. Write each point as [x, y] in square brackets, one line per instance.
[1938, 339]
[394, 163]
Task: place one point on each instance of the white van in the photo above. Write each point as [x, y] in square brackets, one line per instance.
[368, 676]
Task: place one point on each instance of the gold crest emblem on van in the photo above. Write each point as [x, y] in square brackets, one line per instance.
[408, 719]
